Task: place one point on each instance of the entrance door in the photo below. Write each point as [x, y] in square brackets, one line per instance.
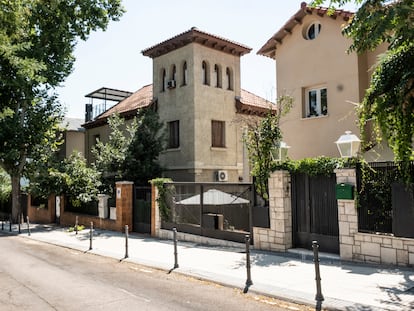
[315, 212]
[142, 210]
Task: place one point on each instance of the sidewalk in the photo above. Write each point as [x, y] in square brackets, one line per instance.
[291, 276]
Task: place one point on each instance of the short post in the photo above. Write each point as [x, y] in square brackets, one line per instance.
[28, 225]
[248, 266]
[126, 241]
[18, 222]
[319, 297]
[10, 223]
[2, 225]
[175, 248]
[76, 225]
[91, 236]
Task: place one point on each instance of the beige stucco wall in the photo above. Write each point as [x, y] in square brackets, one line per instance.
[74, 142]
[302, 63]
[195, 105]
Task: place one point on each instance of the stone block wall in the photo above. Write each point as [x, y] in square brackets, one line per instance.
[279, 236]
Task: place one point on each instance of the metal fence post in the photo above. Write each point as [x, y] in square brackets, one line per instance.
[126, 241]
[76, 225]
[319, 297]
[91, 236]
[248, 266]
[175, 248]
[28, 225]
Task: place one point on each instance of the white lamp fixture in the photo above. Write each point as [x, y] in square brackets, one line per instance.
[279, 153]
[348, 145]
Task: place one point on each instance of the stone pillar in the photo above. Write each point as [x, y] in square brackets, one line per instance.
[124, 204]
[155, 212]
[279, 236]
[347, 217]
[103, 205]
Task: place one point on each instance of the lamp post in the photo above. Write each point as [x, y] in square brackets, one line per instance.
[348, 145]
[279, 153]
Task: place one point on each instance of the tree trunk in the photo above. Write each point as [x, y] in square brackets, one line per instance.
[16, 208]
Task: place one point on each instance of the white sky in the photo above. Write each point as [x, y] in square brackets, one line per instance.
[113, 58]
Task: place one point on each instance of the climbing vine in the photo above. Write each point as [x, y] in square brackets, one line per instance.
[163, 192]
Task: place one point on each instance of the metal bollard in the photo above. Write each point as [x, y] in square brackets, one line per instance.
[28, 225]
[248, 266]
[319, 297]
[10, 223]
[2, 225]
[91, 236]
[76, 225]
[18, 223]
[175, 248]
[126, 241]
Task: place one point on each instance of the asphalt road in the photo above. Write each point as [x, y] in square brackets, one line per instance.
[39, 276]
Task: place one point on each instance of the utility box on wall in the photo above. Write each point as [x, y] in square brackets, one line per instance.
[344, 191]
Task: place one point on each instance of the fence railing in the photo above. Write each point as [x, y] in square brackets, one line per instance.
[219, 210]
[381, 207]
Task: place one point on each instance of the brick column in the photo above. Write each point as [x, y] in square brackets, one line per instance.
[124, 204]
[279, 236]
[155, 212]
[347, 217]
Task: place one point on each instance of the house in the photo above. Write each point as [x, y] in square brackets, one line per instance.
[326, 82]
[197, 92]
[73, 137]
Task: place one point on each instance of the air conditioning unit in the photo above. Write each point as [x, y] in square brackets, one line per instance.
[222, 176]
[171, 84]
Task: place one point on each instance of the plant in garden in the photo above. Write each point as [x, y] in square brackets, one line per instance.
[262, 136]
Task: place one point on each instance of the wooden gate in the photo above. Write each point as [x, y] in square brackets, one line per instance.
[315, 212]
[142, 210]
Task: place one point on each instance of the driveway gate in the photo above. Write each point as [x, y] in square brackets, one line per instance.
[315, 212]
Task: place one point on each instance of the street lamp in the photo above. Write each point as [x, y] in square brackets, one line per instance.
[279, 152]
[348, 145]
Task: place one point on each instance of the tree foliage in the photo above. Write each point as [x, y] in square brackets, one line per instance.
[263, 135]
[132, 150]
[389, 100]
[37, 40]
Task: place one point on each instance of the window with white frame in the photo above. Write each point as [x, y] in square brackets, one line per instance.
[316, 102]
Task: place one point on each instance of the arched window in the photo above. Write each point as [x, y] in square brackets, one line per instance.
[174, 73]
[163, 80]
[185, 74]
[229, 78]
[217, 75]
[205, 73]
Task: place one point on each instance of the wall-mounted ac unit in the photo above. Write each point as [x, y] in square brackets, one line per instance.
[222, 176]
[171, 84]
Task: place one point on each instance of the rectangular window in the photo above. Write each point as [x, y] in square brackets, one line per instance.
[218, 134]
[174, 134]
[316, 102]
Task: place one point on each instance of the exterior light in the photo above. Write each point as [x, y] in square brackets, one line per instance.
[348, 145]
[279, 152]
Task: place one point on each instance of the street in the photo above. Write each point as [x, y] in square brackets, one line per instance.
[40, 276]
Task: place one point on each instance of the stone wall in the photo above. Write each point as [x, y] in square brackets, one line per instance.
[279, 236]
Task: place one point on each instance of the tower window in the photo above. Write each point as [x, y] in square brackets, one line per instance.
[218, 134]
[185, 74]
[174, 134]
[163, 80]
[217, 75]
[229, 78]
[205, 73]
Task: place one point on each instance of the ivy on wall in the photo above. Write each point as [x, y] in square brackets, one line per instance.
[163, 192]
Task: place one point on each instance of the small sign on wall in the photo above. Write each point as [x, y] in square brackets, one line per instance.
[118, 193]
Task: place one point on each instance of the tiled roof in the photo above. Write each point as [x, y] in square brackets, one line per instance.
[197, 36]
[269, 49]
[247, 103]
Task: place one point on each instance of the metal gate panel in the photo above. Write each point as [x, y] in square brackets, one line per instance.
[142, 210]
[315, 212]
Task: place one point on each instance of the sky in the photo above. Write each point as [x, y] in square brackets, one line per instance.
[113, 58]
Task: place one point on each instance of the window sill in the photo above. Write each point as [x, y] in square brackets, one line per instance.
[218, 148]
[315, 117]
[172, 149]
